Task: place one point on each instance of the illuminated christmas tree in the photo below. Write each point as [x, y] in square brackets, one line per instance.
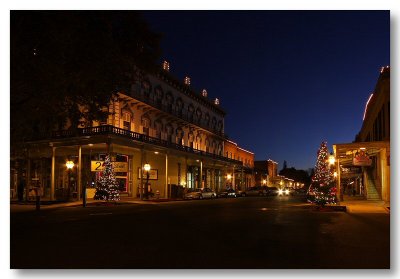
[322, 182]
[107, 185]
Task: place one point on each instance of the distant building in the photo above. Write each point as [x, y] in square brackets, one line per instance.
[266, 172]
[240, 178]
[363, 167]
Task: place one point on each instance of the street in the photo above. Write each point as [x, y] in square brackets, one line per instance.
[259, 232]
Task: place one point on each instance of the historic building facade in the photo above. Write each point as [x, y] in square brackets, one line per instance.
[243, 177]
[363, 167]
[159, 121]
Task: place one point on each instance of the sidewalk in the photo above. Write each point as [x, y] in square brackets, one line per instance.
[16, 206]
[358, 205]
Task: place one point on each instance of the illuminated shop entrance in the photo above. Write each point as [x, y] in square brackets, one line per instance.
[363, 169]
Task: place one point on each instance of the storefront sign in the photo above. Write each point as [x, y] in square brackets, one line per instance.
[361, 159]
[118, 166]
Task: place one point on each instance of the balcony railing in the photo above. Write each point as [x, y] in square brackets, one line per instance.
[183, 114]
[108, 129]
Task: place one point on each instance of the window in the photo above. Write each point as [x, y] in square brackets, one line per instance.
[190, 112]
[145, 125]
[126, 120]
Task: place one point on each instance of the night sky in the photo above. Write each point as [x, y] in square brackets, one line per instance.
[287, 79]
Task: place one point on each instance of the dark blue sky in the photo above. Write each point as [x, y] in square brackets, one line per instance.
[287, 79]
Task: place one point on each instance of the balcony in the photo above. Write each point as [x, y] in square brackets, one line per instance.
[111, 130]
[182, 114]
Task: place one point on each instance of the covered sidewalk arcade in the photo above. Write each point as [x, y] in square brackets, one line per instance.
[365, 165]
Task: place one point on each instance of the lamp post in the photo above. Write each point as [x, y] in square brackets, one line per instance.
[70, 165]
[228, 177]
[332, 161]
[146, 168]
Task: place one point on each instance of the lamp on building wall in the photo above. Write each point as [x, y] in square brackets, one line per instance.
[264, 181]
[147, 168]
[331, 159]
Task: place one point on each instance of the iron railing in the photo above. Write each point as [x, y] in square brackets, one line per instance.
[108, 129]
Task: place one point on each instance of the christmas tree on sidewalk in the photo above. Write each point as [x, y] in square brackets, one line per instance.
[107, 185]
[322, 182]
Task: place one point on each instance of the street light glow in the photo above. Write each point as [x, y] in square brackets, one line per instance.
[332, 160]
[146, 167]
[70, 164]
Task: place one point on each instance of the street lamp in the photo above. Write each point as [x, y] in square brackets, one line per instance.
[70, 165]
[146, 168]
[331, 160]
[264, 181]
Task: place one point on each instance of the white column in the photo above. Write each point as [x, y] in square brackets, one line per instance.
[141, 174]
[166, 176]
[79, 172]
[338, 187]
[201, 173]
[383, 162]
[53, 178]
[233, 178]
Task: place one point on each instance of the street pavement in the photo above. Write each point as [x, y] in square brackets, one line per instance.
[352, 204]
[259, 232]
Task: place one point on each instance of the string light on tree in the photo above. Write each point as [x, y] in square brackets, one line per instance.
[322, 182]
[107, 185]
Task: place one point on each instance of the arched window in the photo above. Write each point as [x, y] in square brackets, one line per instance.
[146, 87]
[179, 135]
[127, 119]
[219, 152]
[158, 128]
[179, 106]
[191, 139]
[198, 141]
[214, 147]
[146, 125]
[207, 143]
[207, 119]
[169, 98]
[169, 131]
[159, 94]
[198, 114]
[219, 126]
[190, 112]
[213, 123]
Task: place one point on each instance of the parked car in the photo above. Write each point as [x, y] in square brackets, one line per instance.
[273, 191]
[256, 191]
[240, 193]
[192, 194]
[227, 193]
[284, 192]
[204, 193]
[208, 193]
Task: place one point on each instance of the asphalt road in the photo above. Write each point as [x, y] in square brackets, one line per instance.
[259, 232]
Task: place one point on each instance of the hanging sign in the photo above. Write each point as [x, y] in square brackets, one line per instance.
[361, 159]
[117, 166]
